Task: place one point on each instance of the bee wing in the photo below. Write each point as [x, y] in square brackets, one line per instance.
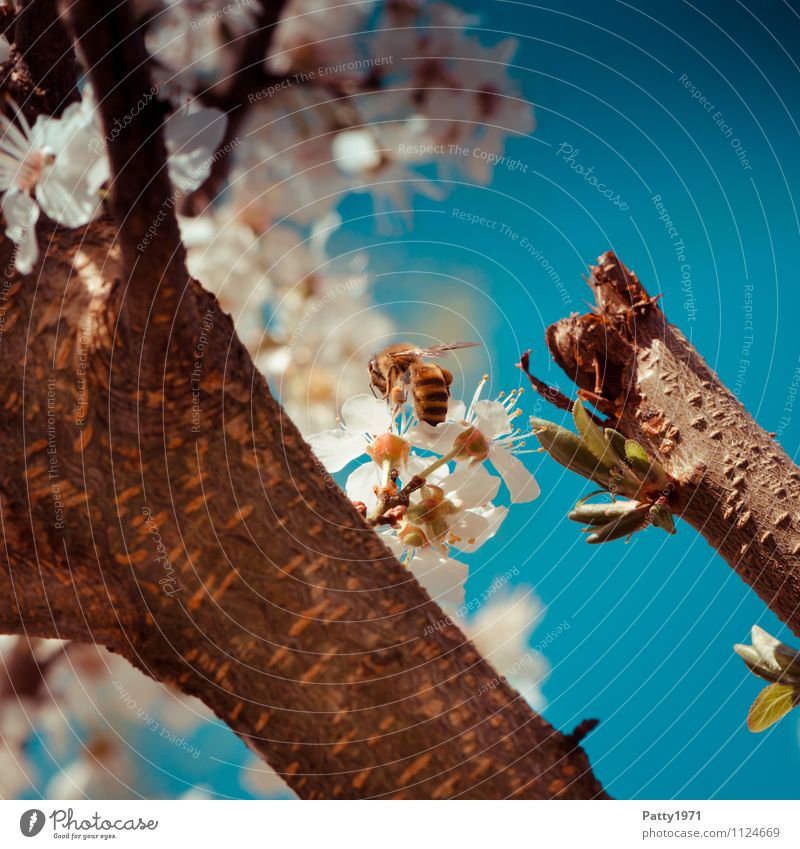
[436, 350]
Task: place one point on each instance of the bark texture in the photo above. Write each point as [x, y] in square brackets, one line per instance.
[737, 486]
[198, 536]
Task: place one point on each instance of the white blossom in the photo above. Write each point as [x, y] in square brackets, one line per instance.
[316, 36]
[192, 135]
[195, 40]
[229, 259]
[363, 418]
[486, 432]
[54, 166]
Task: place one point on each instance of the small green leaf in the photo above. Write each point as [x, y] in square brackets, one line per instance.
[635, 453]
[617, 441]
[772, 704]
[567, 448]
[593, 435]
[647, 470]
[600, 514]
[626, 525]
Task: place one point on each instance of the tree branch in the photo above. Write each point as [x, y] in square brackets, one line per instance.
[232, 569]
[142, 198]
[248, 78]
[45, 70]
[738, 488]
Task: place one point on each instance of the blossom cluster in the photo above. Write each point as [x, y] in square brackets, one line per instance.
[373, 126]
[427, 488]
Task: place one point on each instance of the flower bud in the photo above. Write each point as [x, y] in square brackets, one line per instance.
[412, 536]
[471, 445]
[389, 448]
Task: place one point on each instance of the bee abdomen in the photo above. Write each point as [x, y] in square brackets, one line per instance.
[431, 394]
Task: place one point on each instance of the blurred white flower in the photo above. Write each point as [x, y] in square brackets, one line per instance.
[317, 348]
[194, 40]
[285, 167]
[315, 36]
[356, 151]
[229, 260]
[193, 136]
[501, 631]
[55, 166]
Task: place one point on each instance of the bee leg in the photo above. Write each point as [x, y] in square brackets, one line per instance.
[448, 376]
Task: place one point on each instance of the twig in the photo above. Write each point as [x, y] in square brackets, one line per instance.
[391, 502]
[249, 77]
[550, 394]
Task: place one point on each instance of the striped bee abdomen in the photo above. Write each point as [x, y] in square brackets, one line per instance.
[430, 392]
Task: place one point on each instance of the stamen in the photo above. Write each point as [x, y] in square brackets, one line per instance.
[477, 396]
[31, 169]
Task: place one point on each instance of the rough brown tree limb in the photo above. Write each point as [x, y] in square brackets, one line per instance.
[198, 536]
[738, 487]
[141, 196]
[42, 71]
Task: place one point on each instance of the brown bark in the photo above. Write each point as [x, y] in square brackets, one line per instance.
[206, 544]
[737, 486]
[44, 62]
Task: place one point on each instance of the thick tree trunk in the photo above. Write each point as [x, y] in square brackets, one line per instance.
[737, 486]
[155, 499]
[214, 553]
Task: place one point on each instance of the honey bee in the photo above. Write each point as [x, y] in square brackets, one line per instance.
[399, 368]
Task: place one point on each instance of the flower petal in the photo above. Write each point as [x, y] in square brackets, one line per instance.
[365, 414]
[492, 419]
[472, 486]
[361, 485]
[521, 483]
[193, 137]
[437, 439]
[467, 531]
[336, 448]
[478, 526]
[456, 410]
[442, 577]
[68, 191]
[21, 213]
